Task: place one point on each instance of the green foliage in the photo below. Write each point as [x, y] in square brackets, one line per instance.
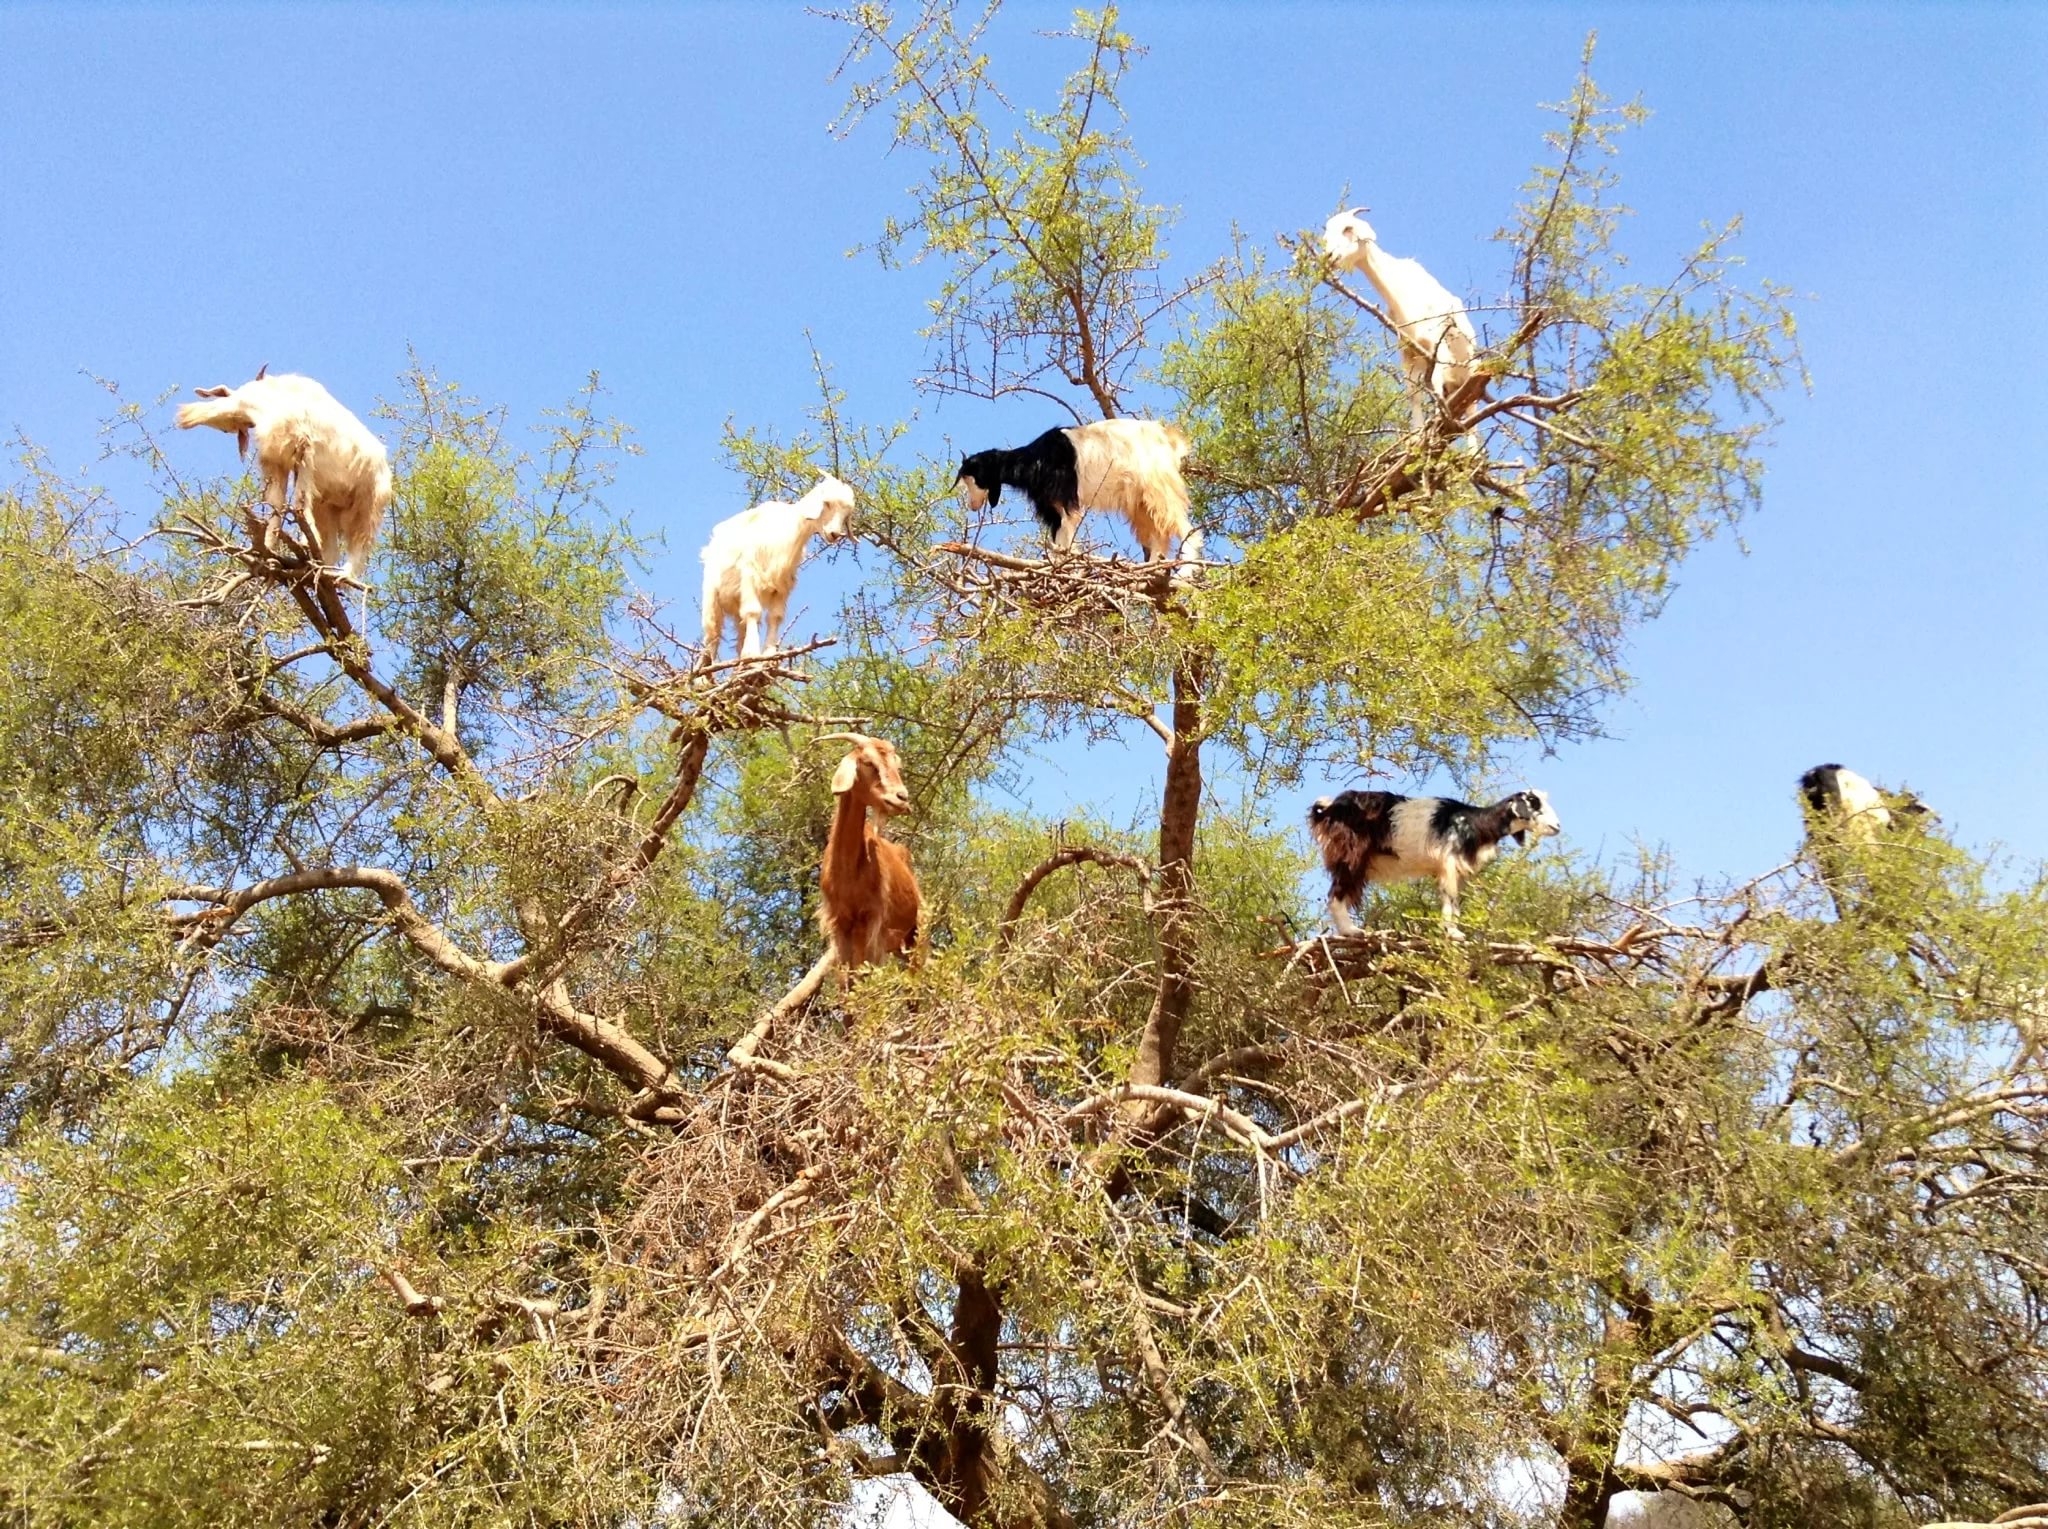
[507, 573]
[422, 1105]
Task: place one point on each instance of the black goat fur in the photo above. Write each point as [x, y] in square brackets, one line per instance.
[1356, 828]
[1819, 786]
[1047, 471]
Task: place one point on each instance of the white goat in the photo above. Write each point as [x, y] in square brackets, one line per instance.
[750, 563]
[1438, 343]
[1848, 820]
[339, 474]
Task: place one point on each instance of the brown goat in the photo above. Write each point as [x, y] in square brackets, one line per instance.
[871, 902]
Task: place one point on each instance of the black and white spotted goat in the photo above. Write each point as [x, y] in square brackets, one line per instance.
[1369, 836]
[1131, 466]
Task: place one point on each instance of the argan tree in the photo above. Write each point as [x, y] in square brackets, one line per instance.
[425, 1099]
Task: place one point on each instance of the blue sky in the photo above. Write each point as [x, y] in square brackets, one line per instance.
[523, 193]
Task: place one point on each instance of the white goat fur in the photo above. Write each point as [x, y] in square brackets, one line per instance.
[1855, 801]
[750, 563]
[1419, 838]
[1438, 343]
[1132, 466]
[340, 476]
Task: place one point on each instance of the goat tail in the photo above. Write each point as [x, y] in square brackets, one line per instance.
[381, 495]
[1177, 438]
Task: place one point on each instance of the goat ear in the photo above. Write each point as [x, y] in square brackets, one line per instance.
[995, 491]
[847, 773]
[209, 392]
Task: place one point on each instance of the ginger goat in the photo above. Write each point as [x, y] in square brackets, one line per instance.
[870, 899]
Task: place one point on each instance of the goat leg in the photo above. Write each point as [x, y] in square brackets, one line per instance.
[1449, 886]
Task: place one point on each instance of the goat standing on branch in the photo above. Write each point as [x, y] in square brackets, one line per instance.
[1438, 343]
[750, 563]
[870, 899]
[1131, 466]
[1369, 836]
[338, 471]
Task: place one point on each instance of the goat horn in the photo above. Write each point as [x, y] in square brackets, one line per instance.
[265, 367]
[842, 738]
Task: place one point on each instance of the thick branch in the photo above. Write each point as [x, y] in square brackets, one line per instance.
[689, 767]
[869, 1396]
[1178, 1422]
[330, 619]
[742, 1055]
[613, 1047]
[425, 935]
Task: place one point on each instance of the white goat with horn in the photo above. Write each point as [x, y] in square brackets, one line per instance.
[339, 475]
[751, 560]
[1438, 343]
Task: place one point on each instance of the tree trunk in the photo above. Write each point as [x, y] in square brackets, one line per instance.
[970, 1469]
[1179, 809]
[1589, 1489]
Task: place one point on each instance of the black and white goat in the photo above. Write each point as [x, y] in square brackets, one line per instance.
[1131, 466]
[1369, 836]
[1858, 809]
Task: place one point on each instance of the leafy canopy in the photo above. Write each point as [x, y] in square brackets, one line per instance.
[423, 1101]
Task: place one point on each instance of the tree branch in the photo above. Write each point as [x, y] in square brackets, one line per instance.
[1072, 855]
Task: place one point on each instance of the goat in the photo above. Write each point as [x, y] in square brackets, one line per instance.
[1131, 466]
[339, 474]
[1368, 836]
[1437, 340]
[870, 901]
[1846, 816]
[750, 563]
[1859, 808]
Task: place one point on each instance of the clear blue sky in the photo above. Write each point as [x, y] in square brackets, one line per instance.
[524, 193]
